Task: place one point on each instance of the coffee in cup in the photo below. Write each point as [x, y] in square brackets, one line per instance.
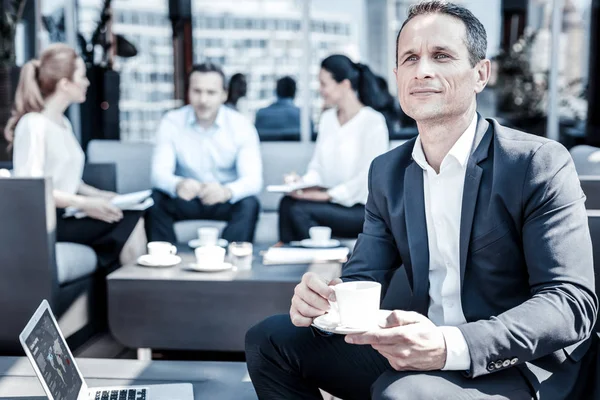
[357, 303]
[320, 234]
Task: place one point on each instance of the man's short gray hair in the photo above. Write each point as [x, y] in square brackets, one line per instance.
[476, 40]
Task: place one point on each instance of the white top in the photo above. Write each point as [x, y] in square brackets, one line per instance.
[443, 208]
[227, 152]
[343, 154]
[42, 148]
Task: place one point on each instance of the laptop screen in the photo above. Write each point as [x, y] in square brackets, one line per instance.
[53, 360]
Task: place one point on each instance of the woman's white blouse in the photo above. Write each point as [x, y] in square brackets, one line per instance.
[343, 154]
[43, 148]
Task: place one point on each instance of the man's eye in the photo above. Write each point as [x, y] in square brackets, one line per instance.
[441, 56]
[412, 58]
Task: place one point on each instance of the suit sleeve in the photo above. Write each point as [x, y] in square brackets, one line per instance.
[375, 256]
[562, 309]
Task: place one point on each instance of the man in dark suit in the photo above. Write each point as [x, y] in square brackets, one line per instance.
[489, 226]
[280, 120]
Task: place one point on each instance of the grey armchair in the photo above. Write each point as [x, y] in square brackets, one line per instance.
[34, 267]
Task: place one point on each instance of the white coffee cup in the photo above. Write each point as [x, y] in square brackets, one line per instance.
[210, 256]
[208, 235]
[161, 249]
[320, 233]
[357, 303]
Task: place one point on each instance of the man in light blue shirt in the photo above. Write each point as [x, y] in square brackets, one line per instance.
[206, 164]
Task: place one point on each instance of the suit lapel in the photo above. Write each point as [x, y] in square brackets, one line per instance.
[471, 189]
[416, 227]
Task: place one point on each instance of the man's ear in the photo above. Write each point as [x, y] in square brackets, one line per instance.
[483, 70]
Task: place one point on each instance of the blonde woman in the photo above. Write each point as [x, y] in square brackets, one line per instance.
[44, 145]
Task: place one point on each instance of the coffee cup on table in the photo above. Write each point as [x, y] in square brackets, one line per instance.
[208, 236]
[210, 256]
[320, 234]
[161, 249]
[357, 303]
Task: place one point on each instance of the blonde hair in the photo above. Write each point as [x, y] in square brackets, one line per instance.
[38, 80]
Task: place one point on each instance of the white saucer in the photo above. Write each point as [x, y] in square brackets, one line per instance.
[195, 267]
[196, 243]
[168, 261]
[313, 243]
[330, 322]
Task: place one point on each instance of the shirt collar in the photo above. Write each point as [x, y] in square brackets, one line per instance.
[460, 151]
[191, 117]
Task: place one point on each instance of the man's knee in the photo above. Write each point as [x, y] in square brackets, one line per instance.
[286, 203]
[161, 200]
[394, 385]
[262, 337]
[249, 206]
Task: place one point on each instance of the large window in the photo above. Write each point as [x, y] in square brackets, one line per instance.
[147, 85]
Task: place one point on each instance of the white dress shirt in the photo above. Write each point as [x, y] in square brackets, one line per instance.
[443, 194]
[43, 148]
[343, 154]
[227, 152]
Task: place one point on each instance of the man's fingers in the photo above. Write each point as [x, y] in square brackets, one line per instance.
[305, 309]
[299, 320]
[400, 318]
[317, 285]
[379, 337]
[313, 299]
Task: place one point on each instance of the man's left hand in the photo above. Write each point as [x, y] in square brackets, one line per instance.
[409, 341]
[214, 193]
[311, 195]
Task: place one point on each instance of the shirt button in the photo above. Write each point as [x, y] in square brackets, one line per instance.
[491, 366]
[514, 361]
[449, 304]
[498, 364]
[506, 363]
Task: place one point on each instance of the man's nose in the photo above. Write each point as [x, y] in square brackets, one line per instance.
[424, 68]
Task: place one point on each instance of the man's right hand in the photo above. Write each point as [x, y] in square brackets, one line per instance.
[311, 298]
[188, 189]
[101, 209]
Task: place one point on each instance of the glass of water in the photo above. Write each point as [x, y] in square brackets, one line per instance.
[240, 255]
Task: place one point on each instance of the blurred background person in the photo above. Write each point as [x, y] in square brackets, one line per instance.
[351, 134]
[238, 88]
[44, 145]
[280, 120]
[206, 163]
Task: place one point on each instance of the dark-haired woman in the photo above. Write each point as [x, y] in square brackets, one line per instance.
[351, 135]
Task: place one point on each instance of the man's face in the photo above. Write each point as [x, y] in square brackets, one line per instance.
[206, 94]
[434, 76]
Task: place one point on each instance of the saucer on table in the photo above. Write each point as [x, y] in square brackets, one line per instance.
[214, 268]
[158, 262]
[320, 243]
[330, 322]
[197, 243]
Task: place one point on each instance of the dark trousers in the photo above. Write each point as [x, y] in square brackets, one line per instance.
[296, 217]
[286, 362]
[106, 239]
[241, 217]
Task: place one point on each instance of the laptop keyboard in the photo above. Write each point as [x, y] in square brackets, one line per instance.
[124, 394]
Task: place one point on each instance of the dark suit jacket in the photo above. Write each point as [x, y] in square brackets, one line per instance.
[527, 278]
[280, 120]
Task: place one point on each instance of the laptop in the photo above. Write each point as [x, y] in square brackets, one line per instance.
[59, 374]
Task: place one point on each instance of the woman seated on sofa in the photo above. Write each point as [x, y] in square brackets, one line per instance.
[351, 135]
[44, 145]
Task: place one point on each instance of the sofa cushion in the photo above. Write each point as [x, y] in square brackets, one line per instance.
[74, 261]
[280, 158]
[133, 162]
[586, 159]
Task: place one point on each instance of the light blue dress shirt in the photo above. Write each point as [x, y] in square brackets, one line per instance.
[227, 152]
